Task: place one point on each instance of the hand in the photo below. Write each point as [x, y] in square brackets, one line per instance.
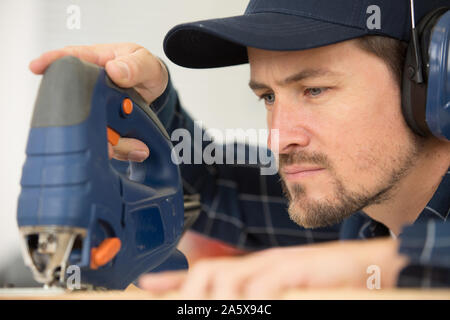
[266, 274]
[128, 65]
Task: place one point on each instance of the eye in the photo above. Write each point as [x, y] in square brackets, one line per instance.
[268, 98]
[315, 92]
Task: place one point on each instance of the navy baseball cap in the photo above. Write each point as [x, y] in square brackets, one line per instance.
[289, 25]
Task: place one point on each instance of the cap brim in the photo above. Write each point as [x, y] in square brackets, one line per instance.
[223, 42]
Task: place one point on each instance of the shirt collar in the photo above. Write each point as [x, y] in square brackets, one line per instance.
[438, 208]
[439, 205]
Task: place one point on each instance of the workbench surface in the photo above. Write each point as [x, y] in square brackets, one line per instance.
[134, 293]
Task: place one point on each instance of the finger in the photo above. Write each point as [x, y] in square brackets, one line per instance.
[232, 282]
[163, 281]
[271, 283]
[98, 54]
[139, 69]
[130, 149]
[110, 151]
[86, 53]
[229, 284]
[264, 286]
[198, 280]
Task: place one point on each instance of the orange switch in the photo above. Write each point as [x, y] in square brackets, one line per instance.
[127, 106]
[105, 252]
[113, 136]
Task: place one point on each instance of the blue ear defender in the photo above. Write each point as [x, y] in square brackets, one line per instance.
[438, 95]
[426, 76]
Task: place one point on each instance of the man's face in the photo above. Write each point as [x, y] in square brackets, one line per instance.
[343, 143]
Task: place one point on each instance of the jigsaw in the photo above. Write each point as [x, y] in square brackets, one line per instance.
[76, 207]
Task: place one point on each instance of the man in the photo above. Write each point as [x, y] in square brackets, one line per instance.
[349, 163]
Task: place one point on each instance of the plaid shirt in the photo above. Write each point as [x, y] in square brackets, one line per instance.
[248, 210]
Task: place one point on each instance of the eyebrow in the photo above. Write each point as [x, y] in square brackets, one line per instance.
[302, 75]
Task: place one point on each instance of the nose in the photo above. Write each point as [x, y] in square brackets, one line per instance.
[287, 128]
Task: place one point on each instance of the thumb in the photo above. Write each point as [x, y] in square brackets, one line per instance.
[141, 70]
[119, 72]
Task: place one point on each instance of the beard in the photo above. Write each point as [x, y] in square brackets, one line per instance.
[342, 203]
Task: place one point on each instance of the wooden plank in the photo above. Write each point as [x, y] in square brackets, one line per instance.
[133, 293]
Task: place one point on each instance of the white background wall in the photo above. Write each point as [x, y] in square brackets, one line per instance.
[218, 97]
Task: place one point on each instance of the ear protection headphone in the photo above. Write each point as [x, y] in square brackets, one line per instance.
[426, 75]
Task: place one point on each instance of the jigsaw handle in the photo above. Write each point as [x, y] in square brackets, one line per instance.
[73, 89]
[128, 115]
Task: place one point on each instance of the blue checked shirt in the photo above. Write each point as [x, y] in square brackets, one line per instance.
[248, 210]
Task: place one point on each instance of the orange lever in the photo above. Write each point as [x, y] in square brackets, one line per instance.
[113, 136]
[105, 252]
[127, 106]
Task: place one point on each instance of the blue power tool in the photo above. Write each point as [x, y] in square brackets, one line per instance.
[76, 208]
